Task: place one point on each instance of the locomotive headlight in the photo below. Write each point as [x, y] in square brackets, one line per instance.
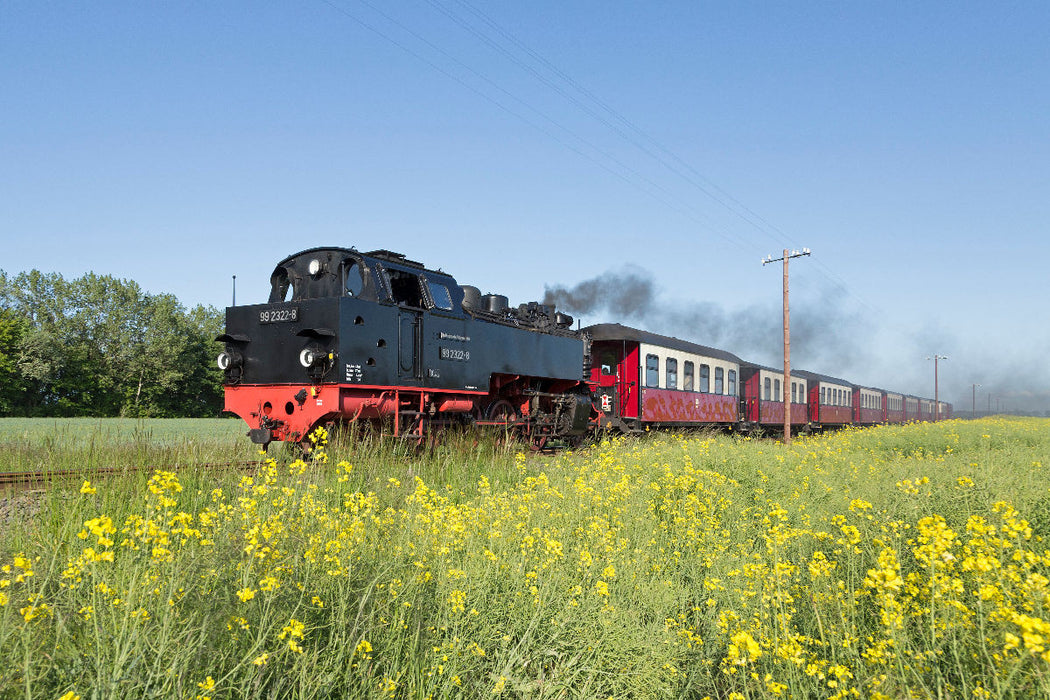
[309, 357]
[228, 360]
[314, 268]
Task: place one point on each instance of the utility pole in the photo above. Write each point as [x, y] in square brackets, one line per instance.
[973, 404]
[936, 396]
[788, 254]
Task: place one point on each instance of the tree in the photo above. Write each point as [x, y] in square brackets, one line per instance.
[98, 345]
[12, 386]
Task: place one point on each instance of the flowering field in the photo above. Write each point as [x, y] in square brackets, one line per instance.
[879, 563]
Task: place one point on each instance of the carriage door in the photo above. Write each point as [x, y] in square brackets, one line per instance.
[608, 381]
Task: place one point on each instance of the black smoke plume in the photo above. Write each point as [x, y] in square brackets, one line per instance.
[822, 334]
[827, 336]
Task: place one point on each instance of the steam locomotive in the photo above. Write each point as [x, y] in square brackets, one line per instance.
[379, 338]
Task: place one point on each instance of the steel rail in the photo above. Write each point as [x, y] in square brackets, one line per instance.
[27, 480]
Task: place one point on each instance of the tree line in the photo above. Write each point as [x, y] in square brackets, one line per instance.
[100, 346]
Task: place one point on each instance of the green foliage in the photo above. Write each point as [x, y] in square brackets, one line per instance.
[883, 563]
[100, 346]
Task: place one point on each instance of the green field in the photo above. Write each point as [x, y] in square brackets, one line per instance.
[87, 443]
[882, 563]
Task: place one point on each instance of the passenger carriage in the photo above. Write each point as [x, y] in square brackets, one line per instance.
[893, 408]
[645, 379]
[868, 405]
[830, 400]
[911, 408]
[926, 410]
[763, 402]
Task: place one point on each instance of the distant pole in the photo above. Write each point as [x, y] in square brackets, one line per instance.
[234, 291]
[973, 404]
[788, 254]
[936, 396]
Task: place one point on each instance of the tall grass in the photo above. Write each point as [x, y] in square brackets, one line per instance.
[874, 563]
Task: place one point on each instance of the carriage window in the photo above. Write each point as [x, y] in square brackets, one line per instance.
[705, 378]
[354, 280]
[652, 370]
[822, 397]
[767, 390]
[608, 362]
[672, 373]
[719, 380]
[687, 376]
[440, 296]
[732, 382]
[776, 390]
[405, 288]
[794, 392]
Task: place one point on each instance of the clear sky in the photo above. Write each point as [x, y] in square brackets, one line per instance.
[527, 146]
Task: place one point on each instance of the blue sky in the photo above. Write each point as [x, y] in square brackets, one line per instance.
[520, 146]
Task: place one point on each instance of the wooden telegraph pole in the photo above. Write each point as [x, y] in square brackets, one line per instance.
[936, 388]
[788, 254]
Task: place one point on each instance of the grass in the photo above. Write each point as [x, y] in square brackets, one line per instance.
[878, 563]
[28, 444]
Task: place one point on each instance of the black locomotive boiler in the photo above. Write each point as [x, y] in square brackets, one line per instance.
[355, 336]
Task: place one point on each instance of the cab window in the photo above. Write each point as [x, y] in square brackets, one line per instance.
[608, 362]
[355, 282]
[405, 288]
[439, 295]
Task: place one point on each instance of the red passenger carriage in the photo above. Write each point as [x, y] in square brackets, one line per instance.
[763, 402]
[868, 405]
[645, 379]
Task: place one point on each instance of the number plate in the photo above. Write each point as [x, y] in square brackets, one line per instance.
[456, 354]
[279, 315]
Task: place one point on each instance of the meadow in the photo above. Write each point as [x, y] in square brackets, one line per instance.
[893, 562]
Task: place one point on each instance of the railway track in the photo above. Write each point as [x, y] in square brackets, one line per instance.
[39, 479]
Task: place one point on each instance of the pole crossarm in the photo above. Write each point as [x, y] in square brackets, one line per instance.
[788, 254]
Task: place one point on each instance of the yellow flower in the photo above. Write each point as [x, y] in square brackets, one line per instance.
[500, 685]
[89, 489]
[743, 648]
[261, 659]
[245, 594]
[70, 696]
[207, 684]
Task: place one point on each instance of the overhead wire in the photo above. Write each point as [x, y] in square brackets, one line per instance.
[654, 149]
[602, 112]
[640, 181]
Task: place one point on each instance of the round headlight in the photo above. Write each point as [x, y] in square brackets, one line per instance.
[223, 361]
[314, 267]
[307, 357]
